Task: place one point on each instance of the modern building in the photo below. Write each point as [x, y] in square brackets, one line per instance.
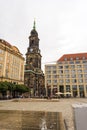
[34, 77]
[68, 75]
[11, 63]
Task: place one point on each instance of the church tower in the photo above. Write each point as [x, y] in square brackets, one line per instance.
[34, 77]
[33, 56]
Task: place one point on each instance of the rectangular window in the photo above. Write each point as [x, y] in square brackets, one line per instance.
[48, 72]
[60, 76]
[61, 80]
[48, 76]
[79, 66]
[60, 71]
[74, 87]
[74, 80]
[85, 61]
[67, 88]
[85, 80]
[85, 75]
[67, 76]
[73, 76]
[80, 71]
[81, 87]
[85, 66]
[54, 76]
[60, 67]
[48, 81]
[54, 72]
[48, 67]
[67, 80]
[65, 62]
[80, 80]
[53, 67]
[71, 62]
[66, 71]
[72, 71]
[54, 81]
[80, 75]
[77, 62]
[72, 66]
[85, 71]
[66, 66]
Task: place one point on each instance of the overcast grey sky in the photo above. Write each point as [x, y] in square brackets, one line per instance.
[61, 25]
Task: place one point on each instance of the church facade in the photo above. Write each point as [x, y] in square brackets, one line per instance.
[34, 76]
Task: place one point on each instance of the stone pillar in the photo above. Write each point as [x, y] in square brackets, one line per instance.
[78, 91]
[85, 94]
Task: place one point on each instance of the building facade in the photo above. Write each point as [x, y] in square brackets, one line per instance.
[11, 63]
[34, 77]
[69, 74]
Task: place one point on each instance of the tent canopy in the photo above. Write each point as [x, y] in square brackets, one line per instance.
[58, 93]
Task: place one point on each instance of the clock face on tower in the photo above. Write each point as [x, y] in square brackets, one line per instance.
[31, 50]
[32, 38]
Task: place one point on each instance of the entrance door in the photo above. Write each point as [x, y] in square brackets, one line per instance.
[74, 93]
[81, 93]
[61, 88]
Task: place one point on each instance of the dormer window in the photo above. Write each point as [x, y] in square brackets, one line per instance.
[71, 58]
[65, 59]
[83, 58]
[77, 58]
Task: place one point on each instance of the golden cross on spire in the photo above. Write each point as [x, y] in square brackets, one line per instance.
[34, 26]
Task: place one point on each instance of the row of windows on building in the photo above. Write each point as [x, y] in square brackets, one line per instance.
[67, 71]
[68, 81]
[76, 58]
[14, 68]
[12, 72]
[74, 87]
[72, 66]
[68, 76]
[10, 58]
[66, 67]
[73, 62]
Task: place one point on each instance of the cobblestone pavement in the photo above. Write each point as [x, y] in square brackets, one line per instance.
[61, 105]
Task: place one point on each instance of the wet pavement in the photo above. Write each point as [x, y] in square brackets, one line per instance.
[30, 120]
[57, 105]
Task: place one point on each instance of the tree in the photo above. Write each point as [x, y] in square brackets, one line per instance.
[14, 89]
[21, 88]
[3, 88]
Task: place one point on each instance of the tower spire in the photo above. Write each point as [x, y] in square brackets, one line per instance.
[34, 25]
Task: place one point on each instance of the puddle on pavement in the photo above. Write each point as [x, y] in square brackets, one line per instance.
[30, 120]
